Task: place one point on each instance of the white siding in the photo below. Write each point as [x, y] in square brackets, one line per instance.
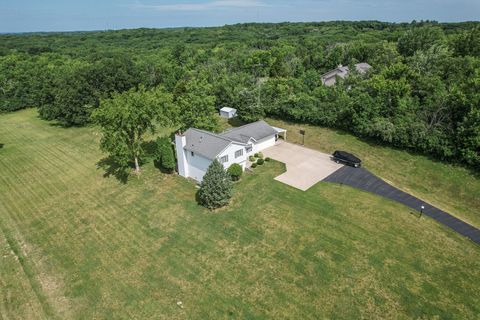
[230, 152]
[264, 144]
[180, 142]
[197, 166]
[228, 114]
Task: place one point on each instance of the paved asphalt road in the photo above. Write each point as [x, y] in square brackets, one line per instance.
[361, 178]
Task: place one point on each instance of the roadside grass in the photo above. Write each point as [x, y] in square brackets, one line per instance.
[77, 245]
[452, 188]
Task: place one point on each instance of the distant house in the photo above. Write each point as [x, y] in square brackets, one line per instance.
[228, 113]
[196, 149]
[330, 78]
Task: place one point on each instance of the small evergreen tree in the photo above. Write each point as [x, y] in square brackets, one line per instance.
[164, 155]
[235, 171]
[216, 188]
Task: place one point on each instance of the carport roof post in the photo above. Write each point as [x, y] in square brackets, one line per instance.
[280, 130]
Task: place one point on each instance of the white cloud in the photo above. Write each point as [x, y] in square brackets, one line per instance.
[218, 4]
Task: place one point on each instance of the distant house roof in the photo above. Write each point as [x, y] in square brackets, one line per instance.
[227, 109]
[210, 145]
[362, 67]
[256, 130]
[343, 71]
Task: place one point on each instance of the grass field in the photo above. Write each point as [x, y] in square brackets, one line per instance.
[77, 245]
[452, 188]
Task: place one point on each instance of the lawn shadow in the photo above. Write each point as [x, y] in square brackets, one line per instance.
[1, 145]
[235, 122]
[416, 214]
[158, 165]
[113, 169]
[150, 148]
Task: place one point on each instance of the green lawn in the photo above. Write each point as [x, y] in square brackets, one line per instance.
[75, 244]
[451, 188]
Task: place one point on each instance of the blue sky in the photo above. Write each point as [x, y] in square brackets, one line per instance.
[67, 15]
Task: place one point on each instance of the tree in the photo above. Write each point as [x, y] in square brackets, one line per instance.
[216, 188]
[235, 171]
[195, 99]
[164, 154]
[468, 43]
[126, 117]
[81, 85]
[420, 38]
[469, 138]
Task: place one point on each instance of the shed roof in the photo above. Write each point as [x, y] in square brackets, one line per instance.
[227, 109]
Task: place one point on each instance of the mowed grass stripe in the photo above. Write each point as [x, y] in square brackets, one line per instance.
[18, 299]
[134, 250]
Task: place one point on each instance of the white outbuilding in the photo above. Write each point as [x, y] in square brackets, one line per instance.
[228, 113]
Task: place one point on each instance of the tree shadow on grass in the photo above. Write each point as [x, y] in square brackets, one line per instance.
[150, 148]
[236, 122]
[113, 169]
[158, 165]
[1, 145]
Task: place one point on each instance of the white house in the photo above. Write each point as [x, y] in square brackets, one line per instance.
[196, 149]
[228, 113]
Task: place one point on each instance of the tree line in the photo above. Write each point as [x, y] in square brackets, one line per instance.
[422, 94]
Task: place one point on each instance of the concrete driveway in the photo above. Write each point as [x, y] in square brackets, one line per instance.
[305, 167]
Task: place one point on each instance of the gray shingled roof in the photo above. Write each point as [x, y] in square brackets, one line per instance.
[210, 144]
[205, 143]
[256, 130]
[343, 71]
[363, 67]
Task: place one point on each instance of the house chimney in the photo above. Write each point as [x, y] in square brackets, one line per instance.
[180, 143]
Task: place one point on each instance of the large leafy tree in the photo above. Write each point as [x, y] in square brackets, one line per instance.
[419, 38]
[81, 85]
[216, 188]
[195, 99]
[126, 117]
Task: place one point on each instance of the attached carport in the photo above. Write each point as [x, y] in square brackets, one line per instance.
[305, 167]
[281, 132]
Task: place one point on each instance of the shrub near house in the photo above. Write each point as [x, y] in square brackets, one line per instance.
[235, 171]
[164, 154]
[216, 188]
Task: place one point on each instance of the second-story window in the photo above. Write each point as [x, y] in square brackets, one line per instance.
[224, 159]
[238, 153]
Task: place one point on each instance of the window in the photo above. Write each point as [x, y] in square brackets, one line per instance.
[224, 159]
[238, 153]
[248, 148]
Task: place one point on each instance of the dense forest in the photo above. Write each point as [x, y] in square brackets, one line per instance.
[422, 94]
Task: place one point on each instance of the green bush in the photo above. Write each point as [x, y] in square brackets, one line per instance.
[260, 155]
[268, 159]
[256, 155]
[164, 155]
[260, 162]
[235, 171]
[216, 188]
[254, 165]
[252, 159]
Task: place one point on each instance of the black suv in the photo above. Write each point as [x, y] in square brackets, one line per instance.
[346, 158]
